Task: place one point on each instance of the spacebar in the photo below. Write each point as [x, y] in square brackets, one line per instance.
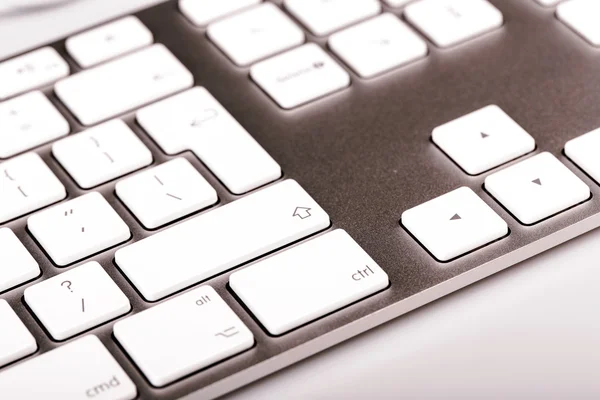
[221, 239]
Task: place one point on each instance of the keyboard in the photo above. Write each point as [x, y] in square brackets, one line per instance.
[205, 192]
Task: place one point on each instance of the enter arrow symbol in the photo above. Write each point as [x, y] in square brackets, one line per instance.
[302, 212]
[455, 217]
[537, 181]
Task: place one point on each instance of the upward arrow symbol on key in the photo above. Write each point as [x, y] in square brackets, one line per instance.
[537, 181]
[455, 217]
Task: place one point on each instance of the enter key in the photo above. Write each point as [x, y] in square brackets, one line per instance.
[308, 281]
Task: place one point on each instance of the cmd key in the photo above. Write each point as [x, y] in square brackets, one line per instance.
[214, 242]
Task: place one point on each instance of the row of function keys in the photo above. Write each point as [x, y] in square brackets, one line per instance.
[531, 190]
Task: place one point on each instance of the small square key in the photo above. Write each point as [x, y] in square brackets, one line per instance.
[255, 34]
[300, 76]
[537, 188]
[323, 17]
[454, 224]
[15, 339]
[377, 45]
[582, 17]
[450, 22]
[584, 151]
[102, 153]
[16, 264]
[483, 139]
[162, 194]
[78, 228]
[76, 300]
[28, 121]
[26, 185]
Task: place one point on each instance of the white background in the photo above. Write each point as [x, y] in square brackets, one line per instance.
[532, 332]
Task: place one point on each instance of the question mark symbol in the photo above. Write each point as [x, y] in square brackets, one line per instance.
[67, 284]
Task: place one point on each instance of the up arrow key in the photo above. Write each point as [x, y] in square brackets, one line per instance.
[455, 217]
[302, 212]
[537, 181]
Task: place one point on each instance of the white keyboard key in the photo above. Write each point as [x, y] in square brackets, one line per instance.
[102, 153]
[124, 84]
[449, 22]
[31, 71]
[195, 120]
[162, 194]
[323, 17]
[549, 3]
[28, 121]
[78, 370]
[183, 335]
[377, 45]
[537, 188]
[76, 300]
[16, 341]
[16, 264]
[78, 228]
[255, 34]
[26, 185]
[582, 16]
[216, 241]
[108, 41]
[300, 76]
[483, 139]
[202, 12]
[397, 3]
[454, 224]
[583, 151]
[308, 281]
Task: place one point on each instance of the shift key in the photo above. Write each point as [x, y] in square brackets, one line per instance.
[216, 241]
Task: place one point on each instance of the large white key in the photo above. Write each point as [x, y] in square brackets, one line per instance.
[255, 34]
[27, 184]
[449, 22]
[203, 12]
[537, 188]
[483, 139]
[582, 17]
[454, 224]
[79, 370]
[123, 84]
[76, 300]
[108, 41]
[300, 76]
[30, 71]
[28, 121]
[308, 281]
[377, 45]
[15, 339]
[183, 335]
[78, 228]
[16, 264]
[162, 194]
[195, 120]
[584, 150]
[221, 239]
[322, 17]
[102, 153]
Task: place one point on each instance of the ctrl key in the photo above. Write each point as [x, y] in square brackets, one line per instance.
[80, 370]
[308, 281]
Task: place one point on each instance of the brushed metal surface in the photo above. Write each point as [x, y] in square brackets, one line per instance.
[365, 155]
